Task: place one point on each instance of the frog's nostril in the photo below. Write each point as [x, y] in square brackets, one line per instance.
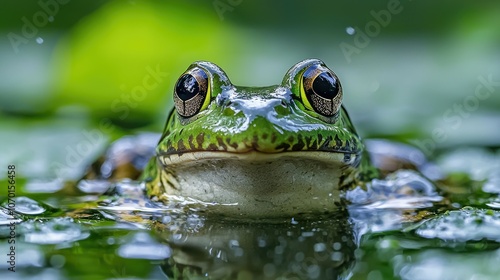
[282, 110]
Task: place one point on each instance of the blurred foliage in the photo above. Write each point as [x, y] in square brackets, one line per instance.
[126, 57]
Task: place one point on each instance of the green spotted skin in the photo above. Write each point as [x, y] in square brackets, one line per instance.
[270, 123]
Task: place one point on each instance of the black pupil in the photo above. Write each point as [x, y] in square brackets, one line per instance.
[325, 85]
[187, 87]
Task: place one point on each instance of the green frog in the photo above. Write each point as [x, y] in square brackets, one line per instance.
[258, 151]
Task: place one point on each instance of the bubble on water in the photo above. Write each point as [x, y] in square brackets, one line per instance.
[110, 240]
[39, 40]
[28, 206]
[51, 19]
[142, 246]
[53, 231]
[350, 30]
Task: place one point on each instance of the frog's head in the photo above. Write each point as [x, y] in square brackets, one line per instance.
[223, 141]
[304, 113]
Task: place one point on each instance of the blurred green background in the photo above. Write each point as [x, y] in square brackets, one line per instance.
[75, 74]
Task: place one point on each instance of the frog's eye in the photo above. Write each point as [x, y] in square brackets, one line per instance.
[192, 92]
[321, 91]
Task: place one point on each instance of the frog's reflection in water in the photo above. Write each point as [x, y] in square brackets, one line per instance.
[316, 248]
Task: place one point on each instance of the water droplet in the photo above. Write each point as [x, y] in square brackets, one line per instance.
[54, 231]
[51, 19]
[39, 40]
[319, 247]
[28, 206]
[350, 30]
[234, 243]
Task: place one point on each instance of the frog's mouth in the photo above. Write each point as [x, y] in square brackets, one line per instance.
[256, 157]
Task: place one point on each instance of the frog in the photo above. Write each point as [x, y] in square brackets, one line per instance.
[269, 151]
[287, 157]
[261, 151]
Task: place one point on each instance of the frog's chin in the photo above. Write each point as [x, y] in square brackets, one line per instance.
[259, 184]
